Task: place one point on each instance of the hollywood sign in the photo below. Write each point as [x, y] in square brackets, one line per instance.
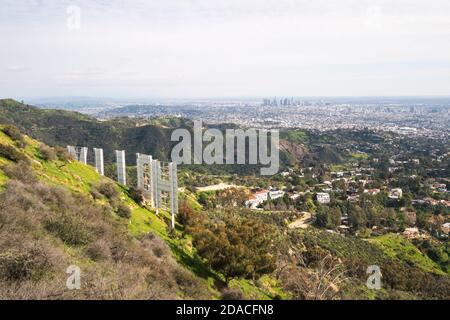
[156, 179]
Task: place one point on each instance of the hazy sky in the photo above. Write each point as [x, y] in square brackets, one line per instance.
[201, 48]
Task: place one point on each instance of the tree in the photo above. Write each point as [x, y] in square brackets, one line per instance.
[231, 197]
[357, 217]
[206, 200]
[335, 216]
[186, 213]
[329, 218]
[322, 218]
[373, 217]
[124, 211]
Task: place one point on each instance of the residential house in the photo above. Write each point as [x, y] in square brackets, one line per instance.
[323, 197]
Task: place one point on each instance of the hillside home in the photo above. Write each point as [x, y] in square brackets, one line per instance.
[396, 193]
[323, 197]
[256, 199]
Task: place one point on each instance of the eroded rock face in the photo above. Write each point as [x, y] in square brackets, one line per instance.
[297, 151]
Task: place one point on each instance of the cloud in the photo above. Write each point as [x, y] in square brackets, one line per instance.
[216, 47]
[17, 68]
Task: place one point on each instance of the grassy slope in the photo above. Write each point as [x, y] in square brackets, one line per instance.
[80, 178]
[4, 139]
[398, 247]
[374, 250]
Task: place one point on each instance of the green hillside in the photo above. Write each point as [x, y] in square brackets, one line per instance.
[56, 212]
[62, 128]
[398, 247]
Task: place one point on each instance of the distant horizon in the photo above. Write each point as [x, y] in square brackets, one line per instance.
[244, 97]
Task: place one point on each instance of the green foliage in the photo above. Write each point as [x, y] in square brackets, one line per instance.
[47, 153]
[437, 252]
[295, 136]
[402, 265]
[62, 128]
[70, 229]
[137, 195]
[44, 229]
[329, 218]
[29, 264]
[14, 133]
[357, 217]
[402, 249]
[11, 153]
[21, 171]
[235, 247]
[124, 211]
[107, 189]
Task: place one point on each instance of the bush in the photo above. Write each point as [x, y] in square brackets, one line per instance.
[188, 283]
[95, 194]
[108, 189]
[14, 133]
[137, 195]
[47, 153]
[238, 248]
[69, 229]
[124, 211]
[99, 250]
[63, 154]
[186, 213]
[35, 215]
[155, 245]
[21, 171]
[11, 153]
[29, 263]
[232, 294]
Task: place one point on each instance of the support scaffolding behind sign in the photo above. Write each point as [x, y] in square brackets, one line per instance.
[145, 181]
[121, 167]
[165, 192]
[79, 153]
[99, 166]
[157, 180]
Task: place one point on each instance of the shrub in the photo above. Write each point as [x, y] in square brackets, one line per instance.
[108, 189]
[137, 195]
[95, 193]
[28, 263]
[69, 229]
[21, 171]
[235, 247]
[124, 211]
[11, 153]
[33, 215]
[14, 133]
[185, 213]
[188, 283]
[232, 294]
[62, 154]
[155, 245]
[98, 250]
[47, 153]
